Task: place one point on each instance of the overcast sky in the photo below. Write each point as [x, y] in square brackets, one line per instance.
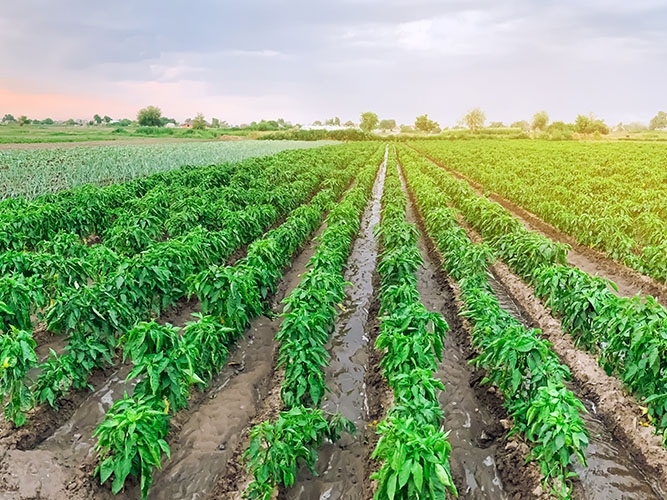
[244, 60]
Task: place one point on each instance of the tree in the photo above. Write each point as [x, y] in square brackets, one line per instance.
[199, 123]
[496, 125]
[107, 119]
[423, 124]
[149, 117]
[8, 118]
[164, 120]
[387, 125]
[215, 123]
[98, 119]
[70, 122]
[475, 119]
[658, 121]
[407, 129]
[317, 123]
[540, 121]
[369, 121]
[23, 120]
[348, 124]
[523, 125]
[47, 121]
[588, 124]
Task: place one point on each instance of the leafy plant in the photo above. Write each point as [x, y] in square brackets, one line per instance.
[276, 450]
[131, 440]
[17, 357]
[415, 461]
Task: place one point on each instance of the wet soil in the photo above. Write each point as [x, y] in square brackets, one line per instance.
[341, 466]
[594, 262]
[626, 460]
[484, 463]
[203, 438]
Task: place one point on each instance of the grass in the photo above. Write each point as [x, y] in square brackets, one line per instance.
[15, 134]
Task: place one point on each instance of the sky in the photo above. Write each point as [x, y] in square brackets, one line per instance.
[306, 60]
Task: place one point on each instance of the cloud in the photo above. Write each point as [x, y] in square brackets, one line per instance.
[306, 60]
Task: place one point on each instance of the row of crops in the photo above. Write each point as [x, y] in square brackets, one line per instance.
[94, 301]
[628, 335]
[277, 447]
[609, 196]
[517, 360]
[101, 265]
[32, 172]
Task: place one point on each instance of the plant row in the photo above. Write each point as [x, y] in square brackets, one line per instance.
[413, 447]
[30, 280]
[277, 448]
[629, 335]
[516, 359]
[167, 364]
[94, 316]
[608, 196]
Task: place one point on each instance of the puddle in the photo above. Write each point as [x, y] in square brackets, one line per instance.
[342, 466]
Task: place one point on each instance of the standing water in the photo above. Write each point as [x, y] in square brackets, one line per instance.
[341, 466]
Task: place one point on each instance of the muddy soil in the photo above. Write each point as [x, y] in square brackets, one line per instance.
[625, 459]
[341, 466]
[202, 439]
[474, 428]
[594, 262]
[484, 463]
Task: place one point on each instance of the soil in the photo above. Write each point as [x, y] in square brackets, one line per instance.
[341, 466]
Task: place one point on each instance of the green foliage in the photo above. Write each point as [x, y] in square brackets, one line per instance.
[659, 121]
[517, 360]
[540, 121]
[277, 449]
[149, 117]
[603, 194]
[131, 440]
[369, 121]
[423, 124]
[588, 124]
[199, 122]
[414, 451]
[386, 125]
[415, 461]
[20, 298]
[17, 357]
[474, 119]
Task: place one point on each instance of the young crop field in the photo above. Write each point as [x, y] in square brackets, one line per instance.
[350, 321]
[34, 171]
[607, 196]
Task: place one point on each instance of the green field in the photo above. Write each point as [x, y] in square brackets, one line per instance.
[609, 196]
[31, 172]
[337, 292]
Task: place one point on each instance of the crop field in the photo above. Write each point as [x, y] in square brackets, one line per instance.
[608, 196]
[35, 171]
[334, 321]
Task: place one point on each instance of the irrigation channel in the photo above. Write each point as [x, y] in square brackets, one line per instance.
[208, 438]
